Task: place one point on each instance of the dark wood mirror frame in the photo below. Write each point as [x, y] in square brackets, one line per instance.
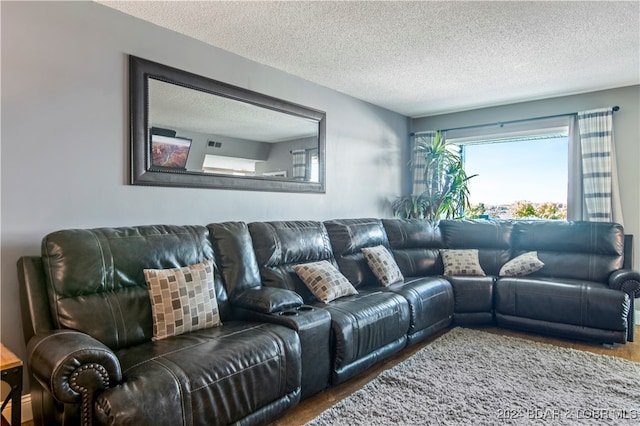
[143, 173]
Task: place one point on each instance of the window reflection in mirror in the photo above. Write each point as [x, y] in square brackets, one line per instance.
[228, 137]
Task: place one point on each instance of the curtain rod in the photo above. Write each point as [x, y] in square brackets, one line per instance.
[502, 123]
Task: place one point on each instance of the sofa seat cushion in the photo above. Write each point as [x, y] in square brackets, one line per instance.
[365, 322]
[431, 303]
[214, 376]
[574, 302]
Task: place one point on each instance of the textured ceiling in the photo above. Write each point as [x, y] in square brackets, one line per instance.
[428, 57]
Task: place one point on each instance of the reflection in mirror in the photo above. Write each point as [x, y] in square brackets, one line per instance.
[231, 137]
[193, 131]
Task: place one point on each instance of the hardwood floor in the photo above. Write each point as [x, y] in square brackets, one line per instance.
[310, 408]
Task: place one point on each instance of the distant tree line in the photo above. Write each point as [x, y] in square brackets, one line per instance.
[523, 210]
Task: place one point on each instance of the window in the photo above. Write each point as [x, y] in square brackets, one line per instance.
[518, 176]
[228, 165]
[315, 169]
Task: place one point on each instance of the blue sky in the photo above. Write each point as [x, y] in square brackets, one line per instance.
[534, 170]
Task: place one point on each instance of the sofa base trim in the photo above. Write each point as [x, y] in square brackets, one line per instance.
[561, 330]
[348, 371]
[473, 318]
[271, 412]
[427, 332]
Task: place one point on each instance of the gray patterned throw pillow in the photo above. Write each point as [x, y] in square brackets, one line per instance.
[324, 280]
[383, 265]
[524, 264]
[182, 299]
[461, 262]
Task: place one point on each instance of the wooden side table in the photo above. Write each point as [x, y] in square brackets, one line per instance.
[11, 370]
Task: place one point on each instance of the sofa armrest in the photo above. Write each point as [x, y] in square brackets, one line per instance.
[73, 367]
[626, 280]
[313, 326]
[266, 299]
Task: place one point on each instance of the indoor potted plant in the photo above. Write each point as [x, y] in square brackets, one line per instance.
[446, 193]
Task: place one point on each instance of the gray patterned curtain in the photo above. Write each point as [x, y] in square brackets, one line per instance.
[417, 161]
[599, 178]
[300, 164]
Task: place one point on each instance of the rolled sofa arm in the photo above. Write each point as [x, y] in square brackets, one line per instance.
[73, 366]
[266, 300]
[626, 280]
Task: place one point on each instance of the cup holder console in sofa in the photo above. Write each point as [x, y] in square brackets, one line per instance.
[88, 319]
[297, 310]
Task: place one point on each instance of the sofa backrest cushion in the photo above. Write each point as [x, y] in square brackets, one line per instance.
[348, 237]
[235, 257]
[280, 245]
[577, 250]
[492, 238]
[95, 278]
[415, 245]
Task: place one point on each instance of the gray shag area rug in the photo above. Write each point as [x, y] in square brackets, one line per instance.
[470, 377]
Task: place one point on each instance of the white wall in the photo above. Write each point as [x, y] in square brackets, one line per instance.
[65, 136]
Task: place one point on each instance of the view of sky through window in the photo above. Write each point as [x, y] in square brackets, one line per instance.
[527, 170]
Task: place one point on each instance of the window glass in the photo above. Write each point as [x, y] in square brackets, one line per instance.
[315, 169]
[518, 178]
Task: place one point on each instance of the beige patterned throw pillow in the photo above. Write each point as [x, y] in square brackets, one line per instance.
[382, 264]
[524, 264]
[182, 299]
[461, 262]
[324, 280]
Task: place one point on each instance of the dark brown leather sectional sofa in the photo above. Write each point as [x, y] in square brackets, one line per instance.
[88, 322]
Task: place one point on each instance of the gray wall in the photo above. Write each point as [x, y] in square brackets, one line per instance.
[231, 147]
[280, 157]
[626, 133]
[65, 136]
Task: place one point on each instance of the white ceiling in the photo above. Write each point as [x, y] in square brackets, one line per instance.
[427, 57]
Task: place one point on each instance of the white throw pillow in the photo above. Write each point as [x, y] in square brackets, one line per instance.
[182, 299]
[524, 264]
[383, 265]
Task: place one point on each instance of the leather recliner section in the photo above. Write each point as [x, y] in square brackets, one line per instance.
[571, 303]
[254, 302]
[202, 373]
[415, 245]
[99, 337]
[365, 328]
[430, 299]
[431, 303]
